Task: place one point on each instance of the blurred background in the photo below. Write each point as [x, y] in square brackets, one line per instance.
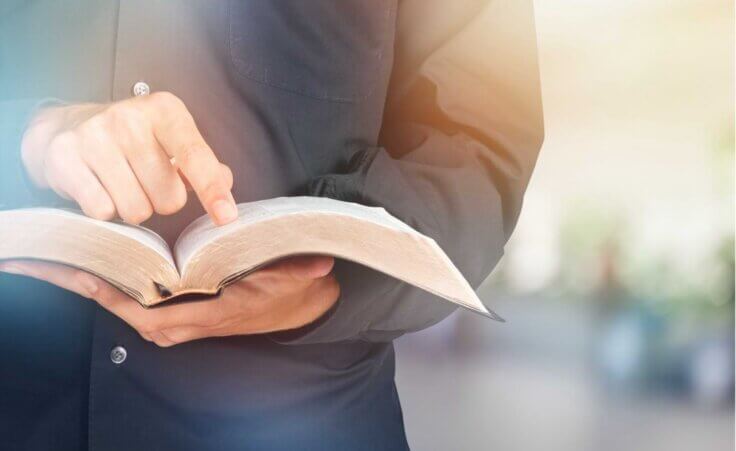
[618, 284]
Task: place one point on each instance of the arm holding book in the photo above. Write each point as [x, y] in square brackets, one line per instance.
[462, 132]
[286, 295]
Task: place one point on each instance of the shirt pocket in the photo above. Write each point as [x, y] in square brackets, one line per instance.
[330, 50]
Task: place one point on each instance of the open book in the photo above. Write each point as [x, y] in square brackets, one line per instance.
[206, 258]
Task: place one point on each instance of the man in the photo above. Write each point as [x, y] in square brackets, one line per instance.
[429, 109]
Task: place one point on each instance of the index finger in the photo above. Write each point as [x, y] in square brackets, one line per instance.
[176, 131]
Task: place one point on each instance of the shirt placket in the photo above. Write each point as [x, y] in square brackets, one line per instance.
[118, 353]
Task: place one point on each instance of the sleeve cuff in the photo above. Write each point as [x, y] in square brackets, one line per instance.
[361, 290]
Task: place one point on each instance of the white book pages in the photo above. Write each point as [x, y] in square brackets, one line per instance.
[203, 231]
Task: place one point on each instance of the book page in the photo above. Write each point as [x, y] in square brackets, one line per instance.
[133, 259]
[203, 231]
[145, 236]
[210, 257]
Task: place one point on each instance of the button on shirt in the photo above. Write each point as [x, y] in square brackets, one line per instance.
[118, 354]
[438, 120]
[141, 88]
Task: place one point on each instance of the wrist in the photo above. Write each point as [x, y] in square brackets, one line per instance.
[38, 132]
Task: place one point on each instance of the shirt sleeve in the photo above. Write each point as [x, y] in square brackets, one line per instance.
[16, 190]
[462, 131]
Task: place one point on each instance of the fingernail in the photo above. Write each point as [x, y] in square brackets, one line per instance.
[89, 284]
[224, 211]
[322, 266]
[12, 269]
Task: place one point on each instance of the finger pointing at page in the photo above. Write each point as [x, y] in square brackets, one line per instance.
[180, 138]
[113, 159]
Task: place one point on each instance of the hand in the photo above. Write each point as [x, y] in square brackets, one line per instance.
[286, 295]
[116, 159]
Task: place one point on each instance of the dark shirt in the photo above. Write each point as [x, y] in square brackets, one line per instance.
[429, 110]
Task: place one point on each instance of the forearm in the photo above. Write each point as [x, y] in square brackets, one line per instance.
[447, 190]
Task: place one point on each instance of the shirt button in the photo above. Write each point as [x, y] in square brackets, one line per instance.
[141, 88]
[118, 355]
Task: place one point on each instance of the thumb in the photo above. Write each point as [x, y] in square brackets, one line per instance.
[309, 267]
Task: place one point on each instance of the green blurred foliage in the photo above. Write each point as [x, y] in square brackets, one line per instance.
[599, 262]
